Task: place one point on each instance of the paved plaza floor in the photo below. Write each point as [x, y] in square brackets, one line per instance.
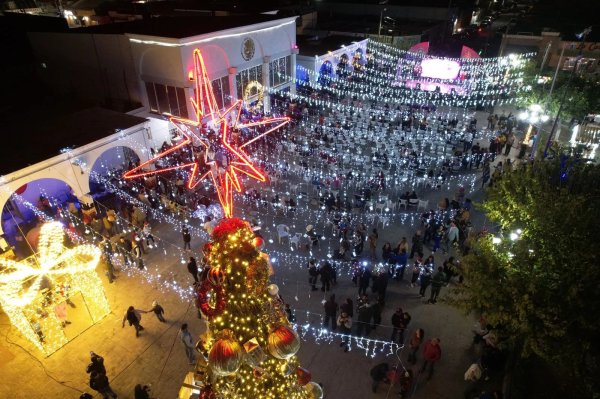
[158, 358]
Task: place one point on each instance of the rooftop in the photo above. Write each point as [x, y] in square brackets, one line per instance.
[42, 134]
[178, 27]
[311, 46]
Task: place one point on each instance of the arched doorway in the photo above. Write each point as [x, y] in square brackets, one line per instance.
[110, 166]
[325, 73]
[343, 66]
[32, 202]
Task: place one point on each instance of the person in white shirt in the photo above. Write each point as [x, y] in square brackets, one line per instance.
[209, 225]
[186, 339]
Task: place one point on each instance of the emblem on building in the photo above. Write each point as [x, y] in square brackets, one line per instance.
[248, 49]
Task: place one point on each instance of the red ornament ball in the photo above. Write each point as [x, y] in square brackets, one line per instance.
[207, 393]
[304, 376]
[216, 276]
[258, 242]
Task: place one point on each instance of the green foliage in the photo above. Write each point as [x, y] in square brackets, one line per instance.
[581, 93]
[542, 289]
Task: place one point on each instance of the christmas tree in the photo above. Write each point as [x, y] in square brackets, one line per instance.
[249, 350]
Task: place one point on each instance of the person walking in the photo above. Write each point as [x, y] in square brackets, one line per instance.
[416, 271]
[134, 317]
[379, 374]
[158, 311]
[96, 365]
[331, 308]
[344, 323]
[452, 236]
[437, 282]
[187, 238]
[186, 339]
[192, 267]
[414, 344]
[99, 382]
[432, 353]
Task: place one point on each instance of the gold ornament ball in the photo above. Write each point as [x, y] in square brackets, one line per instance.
[216, 276]
[283, 342]
[225, 357]
[314, 390]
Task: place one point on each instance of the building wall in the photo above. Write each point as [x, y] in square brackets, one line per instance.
[168, 61]
[65, 167]
[97, 68]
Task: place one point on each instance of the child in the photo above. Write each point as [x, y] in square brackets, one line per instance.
[158, 311]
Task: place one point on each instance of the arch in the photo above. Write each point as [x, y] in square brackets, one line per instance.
[113, 159]
[19, 213]
[325, 72]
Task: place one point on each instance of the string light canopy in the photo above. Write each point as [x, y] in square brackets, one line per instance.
[32, 290]
[222, 160]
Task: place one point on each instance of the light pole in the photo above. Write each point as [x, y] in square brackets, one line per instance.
[533, 115]
[381, 22]
[581, 36]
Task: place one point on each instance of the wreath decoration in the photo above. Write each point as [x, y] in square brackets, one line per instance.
[203, 299]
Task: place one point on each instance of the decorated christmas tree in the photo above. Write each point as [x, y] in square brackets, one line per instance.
[249, 350]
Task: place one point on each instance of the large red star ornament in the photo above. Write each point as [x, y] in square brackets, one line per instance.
[222, 159]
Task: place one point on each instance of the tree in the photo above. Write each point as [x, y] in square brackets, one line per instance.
[581, 93]
[537, 280]
[250, 347]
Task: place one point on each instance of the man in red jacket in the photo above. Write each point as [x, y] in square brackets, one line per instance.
[432, 353]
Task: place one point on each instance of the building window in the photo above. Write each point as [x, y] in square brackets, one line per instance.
[164, 99]
[221, 90]
[246, 76]
[280, 71]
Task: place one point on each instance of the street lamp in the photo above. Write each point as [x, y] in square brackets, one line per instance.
[534, 114]
[582, 36]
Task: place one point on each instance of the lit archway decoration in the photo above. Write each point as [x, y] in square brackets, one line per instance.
[24, 286]
[224, 172]
[254, 88]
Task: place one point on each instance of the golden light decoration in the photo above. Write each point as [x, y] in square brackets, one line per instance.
[25, 287]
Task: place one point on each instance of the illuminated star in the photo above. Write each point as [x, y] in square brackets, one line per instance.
[222, 160]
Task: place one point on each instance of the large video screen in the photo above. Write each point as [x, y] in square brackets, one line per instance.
[439, 69]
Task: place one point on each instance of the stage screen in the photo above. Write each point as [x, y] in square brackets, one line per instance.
[439, 69]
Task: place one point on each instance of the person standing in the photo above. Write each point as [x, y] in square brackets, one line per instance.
[326, 273]
[348, 307]
[137, 253]
[416, 271]
[373, 244]
[192, 267]
[414, 344]
[158, 311]
[186, 339]
[396, 323]
[451, 237]
[344, 322]
[437, 282]
[126, 248]
[331, 308]
[425, 280]
[313, 273]
[432, 353]
[187, 238]
[134, 317]
[99, 382]
[107, 253]
[379, 374]
[364, 279]
[147, 234]
[364, 317]
[417, 244]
